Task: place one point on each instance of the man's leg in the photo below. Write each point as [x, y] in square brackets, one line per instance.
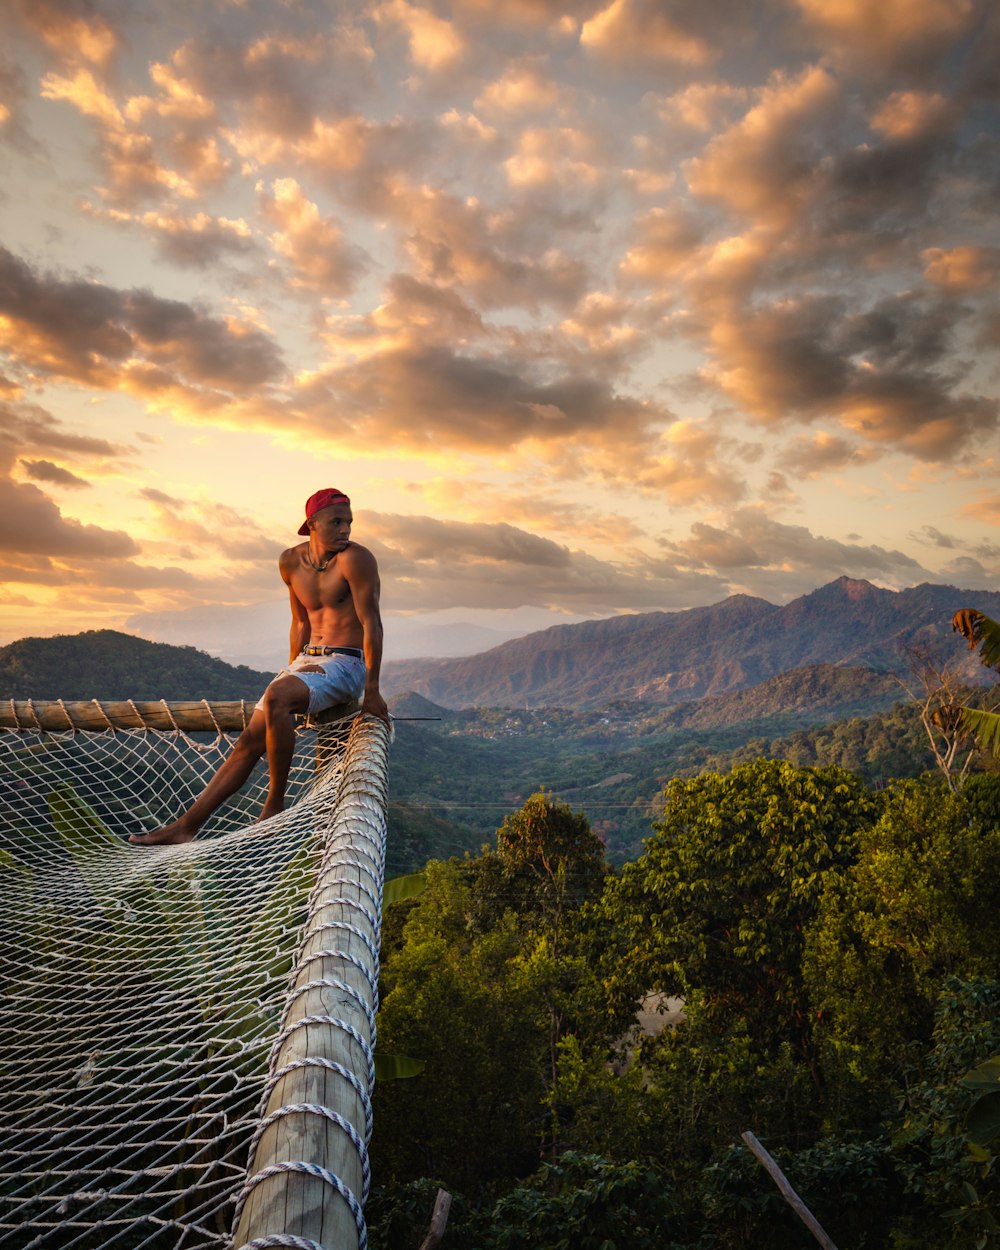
[236, 768]
[284, 698]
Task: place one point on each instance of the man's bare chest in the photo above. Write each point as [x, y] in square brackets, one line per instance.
[326, 589]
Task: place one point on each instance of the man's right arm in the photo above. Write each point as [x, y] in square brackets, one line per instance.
[301, 629]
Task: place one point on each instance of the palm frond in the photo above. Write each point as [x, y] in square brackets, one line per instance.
[980, 631]
[985, 726]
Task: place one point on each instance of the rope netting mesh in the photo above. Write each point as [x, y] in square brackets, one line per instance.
[176, 1021]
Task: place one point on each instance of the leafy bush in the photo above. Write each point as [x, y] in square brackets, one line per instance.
[953, 1186]
[583, 1202]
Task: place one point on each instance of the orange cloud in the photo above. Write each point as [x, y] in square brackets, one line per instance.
[193, 241]
[556, 156]
[987, 509]
[629, 30]
[74, 37]
[46, 471]
[700, 105]
[321, 257]
[429, 563]
[962, 269]
[83, 91]
[752, 539]
[875, 372]
[764, 166]
[665, 242]
[907, 115]
[809, 456]
[457, 242]
[893, 32]
[524, 87]
[90, 333]
[435, 44]
[31, 524]
[685, 467]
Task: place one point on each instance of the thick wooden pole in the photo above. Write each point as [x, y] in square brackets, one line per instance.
[95, 715]
[308, 1168]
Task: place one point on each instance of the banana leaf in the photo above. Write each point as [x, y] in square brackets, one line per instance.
[985, 727]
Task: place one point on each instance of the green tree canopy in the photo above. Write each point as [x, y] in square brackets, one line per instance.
[922, 904]
[720, 901]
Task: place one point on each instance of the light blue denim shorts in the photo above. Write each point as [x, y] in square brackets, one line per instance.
[340, 679]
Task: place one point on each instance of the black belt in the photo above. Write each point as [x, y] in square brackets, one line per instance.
[355, 651]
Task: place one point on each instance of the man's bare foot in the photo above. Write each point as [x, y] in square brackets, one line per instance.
[170, 835]
[272, 807]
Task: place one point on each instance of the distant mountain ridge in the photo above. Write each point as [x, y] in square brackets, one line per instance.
[675, 657]
[813, 694]
[108, 665]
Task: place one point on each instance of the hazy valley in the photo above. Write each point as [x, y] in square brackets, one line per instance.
[600, 713]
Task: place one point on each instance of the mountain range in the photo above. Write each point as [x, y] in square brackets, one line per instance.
[655, 658]
[676, 657]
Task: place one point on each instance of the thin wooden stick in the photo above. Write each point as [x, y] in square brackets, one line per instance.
[439, 1220]
[787, 1192]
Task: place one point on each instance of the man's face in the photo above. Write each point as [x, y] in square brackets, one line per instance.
[332, 526]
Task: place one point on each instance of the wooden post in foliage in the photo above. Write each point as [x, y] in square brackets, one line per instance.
[787, 1192]
[439, 1220]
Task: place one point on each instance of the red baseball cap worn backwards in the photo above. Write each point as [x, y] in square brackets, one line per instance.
[324, 498]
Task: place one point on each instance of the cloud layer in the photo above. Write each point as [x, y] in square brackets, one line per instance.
[602, 306]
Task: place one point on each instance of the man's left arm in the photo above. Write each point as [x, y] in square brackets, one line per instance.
[363, 579]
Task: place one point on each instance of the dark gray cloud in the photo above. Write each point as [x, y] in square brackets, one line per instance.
[13, 93]
[430, 564]
[811, 455]
[884, 372]
[916, 41]
[29, 433]
[158, 496]
[201, 245]
[754, 541]
[30, 523]
[424, 538]
[87, 332]
[930, 535]
[46, 471]
[432, 397]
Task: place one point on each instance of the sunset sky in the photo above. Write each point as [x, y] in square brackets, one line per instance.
[591, 308]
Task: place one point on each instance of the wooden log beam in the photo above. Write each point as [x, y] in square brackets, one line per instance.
[97, 715]
[333, 983]
[192, 716]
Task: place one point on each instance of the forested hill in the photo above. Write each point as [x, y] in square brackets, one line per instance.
[674, 657]
[108, 665]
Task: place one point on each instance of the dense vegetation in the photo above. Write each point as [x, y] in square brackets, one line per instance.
[838, 953]
[457, 777]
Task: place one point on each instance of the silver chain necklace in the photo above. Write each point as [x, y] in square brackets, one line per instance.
[320, 568]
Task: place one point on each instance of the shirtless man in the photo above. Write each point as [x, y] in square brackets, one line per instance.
[336, 654]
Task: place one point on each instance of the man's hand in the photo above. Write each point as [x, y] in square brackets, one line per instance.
[374, 705]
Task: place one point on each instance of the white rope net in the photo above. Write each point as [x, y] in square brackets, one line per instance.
[175, 1021]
